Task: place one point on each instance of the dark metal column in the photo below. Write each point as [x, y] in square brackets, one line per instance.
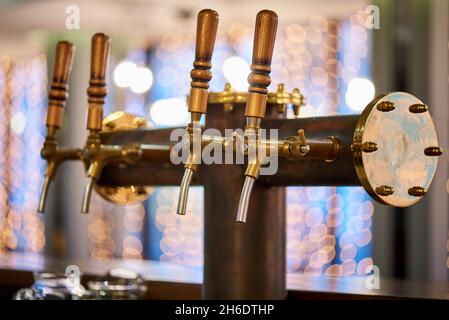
[241, 261]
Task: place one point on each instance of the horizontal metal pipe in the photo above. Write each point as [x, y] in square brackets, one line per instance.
[326, 149]
[155, 153]
[306, 171]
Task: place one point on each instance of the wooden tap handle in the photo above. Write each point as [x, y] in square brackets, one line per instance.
[97, 90]
[205, 39]
[259, 78]
[58, 94]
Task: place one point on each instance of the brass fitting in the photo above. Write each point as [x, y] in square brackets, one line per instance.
[99, 157]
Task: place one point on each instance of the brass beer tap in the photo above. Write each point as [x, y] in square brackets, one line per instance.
[57, 99]
[259, 80]
[207, 24]
[97, 154]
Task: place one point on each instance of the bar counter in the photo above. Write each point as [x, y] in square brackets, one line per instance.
[168, 281]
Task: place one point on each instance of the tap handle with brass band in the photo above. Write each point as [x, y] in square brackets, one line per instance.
[259, 79]
[97, 90]
[206, 32]
[57, 99]
[58, 94]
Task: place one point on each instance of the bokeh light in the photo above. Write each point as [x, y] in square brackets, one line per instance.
[359, 93]
[236, 71]
[18, 123]
[169, 112]
[128, 74]
[141, 80]
[23, 92]
[123, 73]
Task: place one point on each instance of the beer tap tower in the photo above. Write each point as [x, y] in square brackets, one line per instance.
[391, 149]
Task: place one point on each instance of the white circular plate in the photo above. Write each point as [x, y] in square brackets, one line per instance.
[399, 161]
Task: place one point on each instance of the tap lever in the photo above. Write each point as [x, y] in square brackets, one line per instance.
[299, 147]
[57, 99]
[97, 90]
[96, 93]
[206, 32]
[58, 94]
[259, 79]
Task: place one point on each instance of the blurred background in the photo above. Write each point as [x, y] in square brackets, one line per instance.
[333, 51]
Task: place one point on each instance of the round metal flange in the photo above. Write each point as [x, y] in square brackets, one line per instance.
[118, 194]
[394, 149]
